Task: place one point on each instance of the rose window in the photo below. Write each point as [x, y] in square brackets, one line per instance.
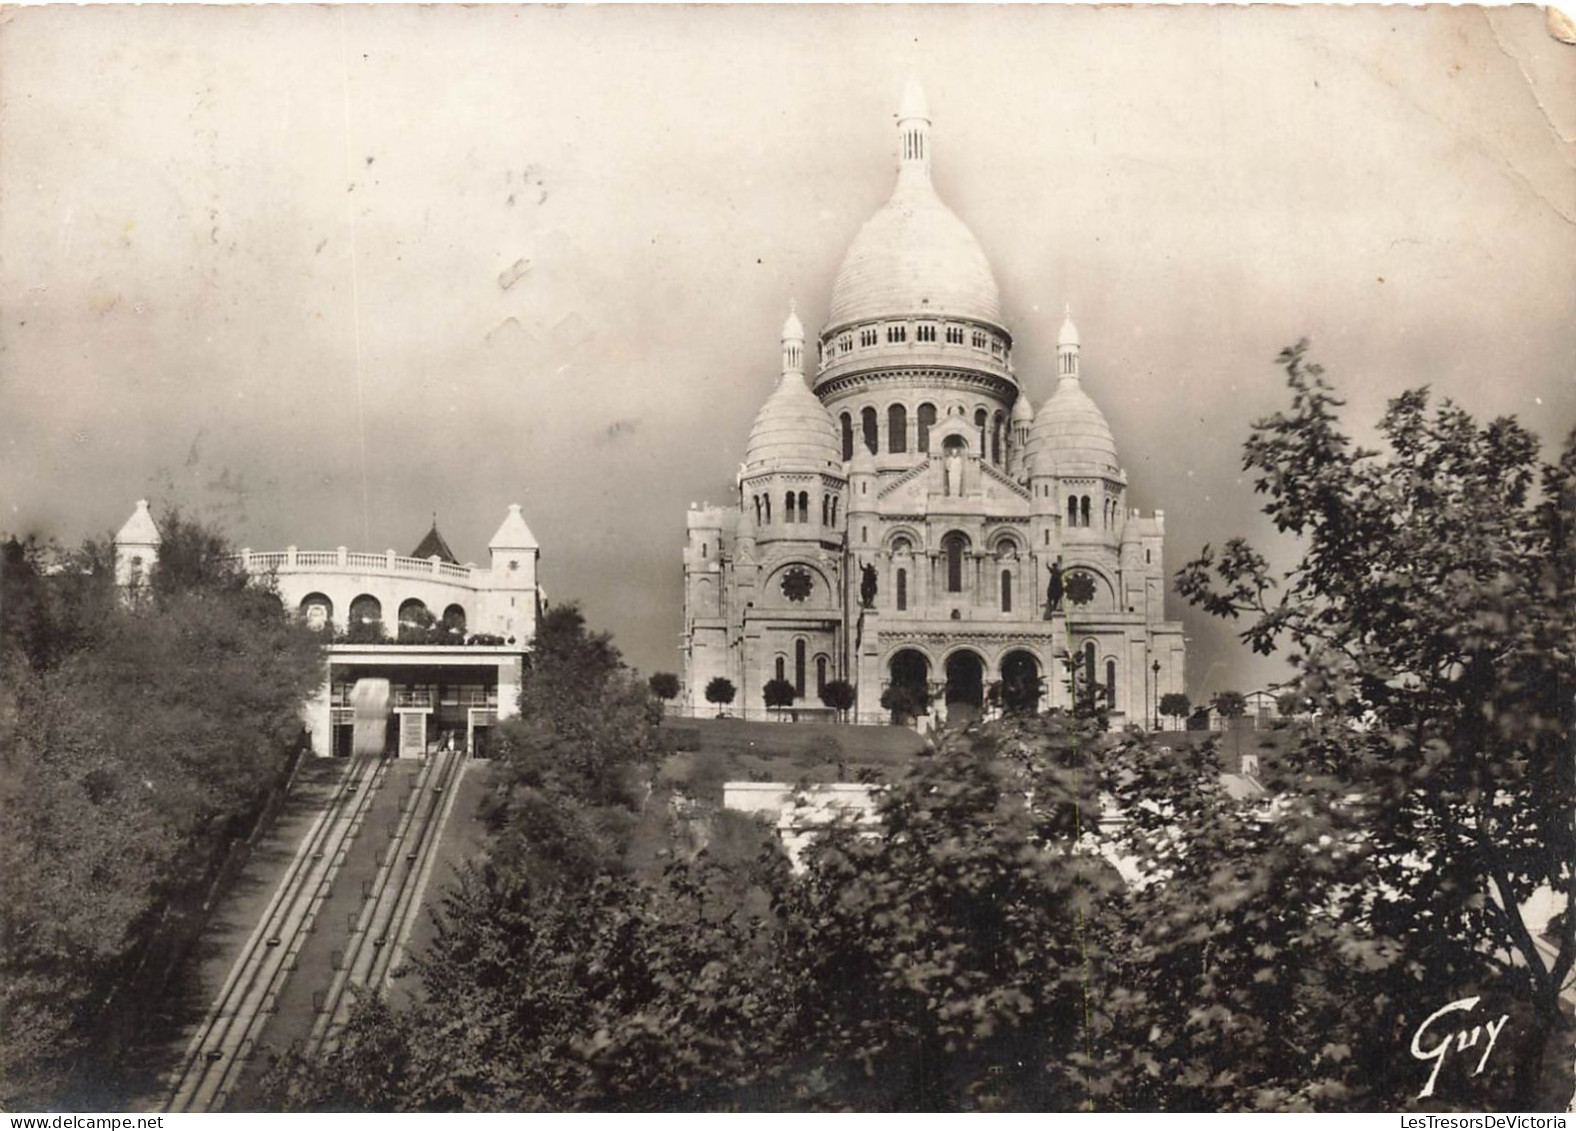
[1080, 588]
[797, 584]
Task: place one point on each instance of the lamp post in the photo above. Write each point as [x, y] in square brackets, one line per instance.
[1155, 667]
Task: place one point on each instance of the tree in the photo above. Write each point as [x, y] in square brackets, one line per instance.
[135, 744]
[943, 959]
[1230, 705]
[1291, 703]
[779, 693]
[839, 695]
[1175, 705]
[586, 738]
[1435, 597]
[905, 701]
[720, 691]
[664, 685]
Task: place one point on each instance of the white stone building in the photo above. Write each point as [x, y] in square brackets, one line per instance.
[476, 625]
[901, 510]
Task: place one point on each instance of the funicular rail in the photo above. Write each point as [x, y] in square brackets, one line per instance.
[214, 1058]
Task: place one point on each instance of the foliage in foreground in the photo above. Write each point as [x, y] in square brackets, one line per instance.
[135, 739]
[978, 947]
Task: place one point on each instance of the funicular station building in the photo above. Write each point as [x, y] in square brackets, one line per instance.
[450, 639]
[903, 507]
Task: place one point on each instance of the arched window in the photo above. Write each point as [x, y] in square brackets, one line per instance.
[366, 609]
[848, 437]
[1084, 508]
[804, 506]
[820, 675]
[1110, 684]
[902, 590]
[826, 509]
[980, 418]
[767, 499]
[953, 547]
[454, 623]
[317, 611]
[1089, 683]
[1072, 510]
[788, 507]
[927, 420]
[757, 510]
[1006, 590]
[834, 512]
[868, 419]
[782, 668]
[798, 667]
[995, 440]
[897, 429]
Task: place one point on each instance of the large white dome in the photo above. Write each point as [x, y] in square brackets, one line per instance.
[914, 257]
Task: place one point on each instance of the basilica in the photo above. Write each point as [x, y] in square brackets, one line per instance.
[908, 520]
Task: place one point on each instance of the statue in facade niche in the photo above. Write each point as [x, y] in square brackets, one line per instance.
[952, 470]
[1054, 589]
[867, 586]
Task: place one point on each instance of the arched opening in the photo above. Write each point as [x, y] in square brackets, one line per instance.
[834, 512]
[767, 499]
[965, 682]
[1072, 510]
[902, 590]
[820, 676]
[788, 508]
[782, 668]
[798, 667]
[454, 623]
[897, 429]
[317, 611]
[366, 619]
[1088, 687]
[757, 510]
[953, 546]
[1084, 511]
[414, 618]
[848, 437]
[927, 420]
[826, 510]
[1020, 683]
[867, 420]
[804, 506]
[1006, 590]
[981, 417]
[908, 684]
[1110, 684]
[995, 439]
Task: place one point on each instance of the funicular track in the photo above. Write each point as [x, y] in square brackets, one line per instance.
[392, 899]
[215, 1057]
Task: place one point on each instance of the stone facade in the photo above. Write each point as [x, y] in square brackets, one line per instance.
[902, 513]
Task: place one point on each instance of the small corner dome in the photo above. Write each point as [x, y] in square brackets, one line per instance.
[1070, 431]
[1022, 410]
[792, 428]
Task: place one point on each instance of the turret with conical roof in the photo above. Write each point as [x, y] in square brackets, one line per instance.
[792, 474]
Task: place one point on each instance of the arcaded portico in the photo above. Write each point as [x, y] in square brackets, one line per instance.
[451, 639]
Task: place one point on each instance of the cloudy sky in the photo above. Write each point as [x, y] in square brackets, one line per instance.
[322, 273]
